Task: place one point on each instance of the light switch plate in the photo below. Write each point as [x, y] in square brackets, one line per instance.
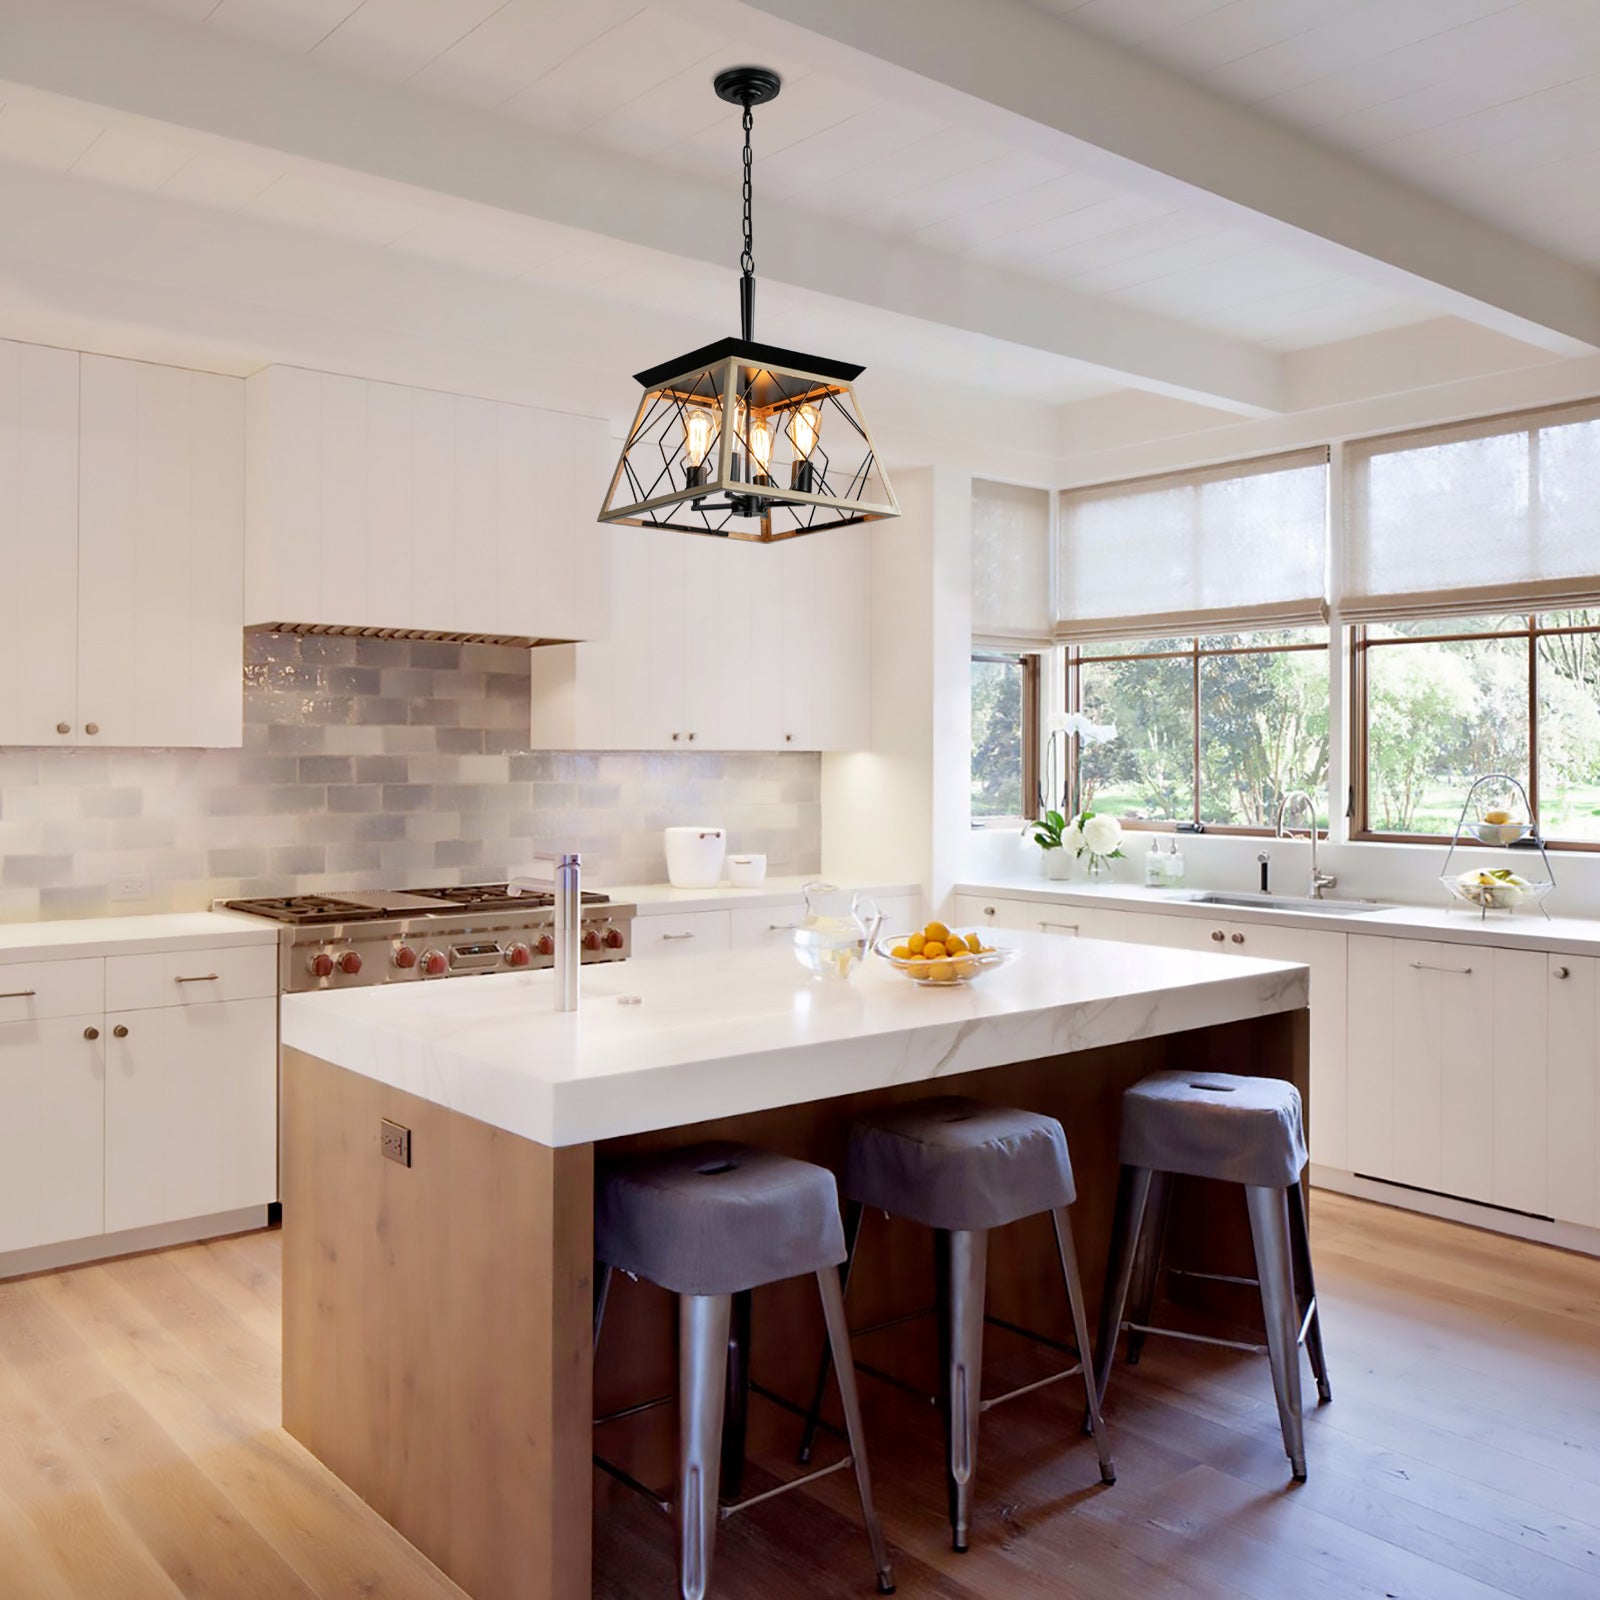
[123, 889]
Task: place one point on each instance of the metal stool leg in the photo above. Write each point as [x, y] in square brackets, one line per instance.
[1133, 1192]
[1305, 1285]
[832, 1292]
[1269, 1230]
[1148, 1260]
[702, 1375]
[736, 1397]
[963, 1259]
[853, 1214]
[1067, 1249]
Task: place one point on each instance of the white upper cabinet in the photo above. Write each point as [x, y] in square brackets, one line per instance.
[378, 506]
[39, 544]
[121, 526]
[160, 555]
[717, 644]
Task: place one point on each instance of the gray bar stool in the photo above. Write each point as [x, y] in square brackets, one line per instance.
[961, 1167]
[709, 1224]
[1233, 1129]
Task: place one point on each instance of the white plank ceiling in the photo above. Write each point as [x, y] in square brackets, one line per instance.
[636, 78]
[1492, 104]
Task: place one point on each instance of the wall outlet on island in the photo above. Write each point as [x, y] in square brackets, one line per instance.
[124, 889]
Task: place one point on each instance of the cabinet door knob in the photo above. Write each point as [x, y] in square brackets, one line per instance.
[119, 1032]
[675, 738]
[91, 727]
[1563, 972]
[788, 738]
[91, 1033]
[63, 727]
[988, 911]
[691, 738]
[1218, 935]
[1238, 938]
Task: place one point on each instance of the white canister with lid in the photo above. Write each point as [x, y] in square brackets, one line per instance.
[694, 857]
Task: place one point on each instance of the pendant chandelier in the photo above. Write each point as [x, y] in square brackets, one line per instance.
[741, 440]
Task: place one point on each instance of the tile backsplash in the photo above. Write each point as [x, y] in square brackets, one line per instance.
[371, 763]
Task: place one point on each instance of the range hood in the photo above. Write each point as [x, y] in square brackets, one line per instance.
[435, 635]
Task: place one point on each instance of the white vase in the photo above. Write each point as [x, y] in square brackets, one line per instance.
[1057, 864]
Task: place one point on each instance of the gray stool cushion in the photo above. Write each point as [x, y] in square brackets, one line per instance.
[958, 1164]
[717, 1218]
[1215, 1125]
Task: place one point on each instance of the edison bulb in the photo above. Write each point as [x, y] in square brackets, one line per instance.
[699, 427]
[760, 438]
[804, 424]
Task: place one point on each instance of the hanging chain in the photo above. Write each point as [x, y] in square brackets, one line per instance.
[747, 261]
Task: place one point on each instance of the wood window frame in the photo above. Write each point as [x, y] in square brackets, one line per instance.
[1361, 645]
[1075, 660]
[1032, 730]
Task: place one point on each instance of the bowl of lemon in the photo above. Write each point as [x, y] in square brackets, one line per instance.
[937, 957]
[1497, 827]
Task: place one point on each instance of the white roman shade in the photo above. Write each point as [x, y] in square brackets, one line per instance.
[1010, 566]
[1223, 548]
[1501, 514]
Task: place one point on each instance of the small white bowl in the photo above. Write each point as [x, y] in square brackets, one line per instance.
[747, 872]
[1499, 832]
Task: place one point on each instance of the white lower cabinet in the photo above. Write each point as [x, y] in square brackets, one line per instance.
[681, 933]
[52, 1108]
[1573, 1089]
[191, 1109]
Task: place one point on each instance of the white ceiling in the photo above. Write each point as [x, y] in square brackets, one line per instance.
[1493, 104]
[636, 79]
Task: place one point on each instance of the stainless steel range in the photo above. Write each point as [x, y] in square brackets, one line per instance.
[412, 935]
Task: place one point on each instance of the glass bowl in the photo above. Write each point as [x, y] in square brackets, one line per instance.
[949, 972]
[1496, 896]
[1499, 832]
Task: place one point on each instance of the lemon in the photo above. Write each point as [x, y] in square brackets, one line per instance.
[902, 952]
[1499, 818]
[937, 932]
[916, 942]
[942, 972]
[974, 943]
[933, 950]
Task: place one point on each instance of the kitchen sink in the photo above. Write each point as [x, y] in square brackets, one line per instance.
[1287, 902]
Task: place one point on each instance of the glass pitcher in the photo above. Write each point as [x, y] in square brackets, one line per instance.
[837, 930]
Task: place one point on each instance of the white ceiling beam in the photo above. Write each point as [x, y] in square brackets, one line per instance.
[143, 65]
[1035, 79]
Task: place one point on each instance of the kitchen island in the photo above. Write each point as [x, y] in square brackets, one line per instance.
[437, 1307]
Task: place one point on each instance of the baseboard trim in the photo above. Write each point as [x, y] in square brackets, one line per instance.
[1491, 1219]
[103, 1246]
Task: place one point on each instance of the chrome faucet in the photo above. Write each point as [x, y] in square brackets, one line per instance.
[569, 905]
[1320, 880]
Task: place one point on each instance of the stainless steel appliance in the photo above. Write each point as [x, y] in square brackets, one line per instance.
[413, 935]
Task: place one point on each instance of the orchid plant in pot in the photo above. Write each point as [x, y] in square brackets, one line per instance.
[1074, 829]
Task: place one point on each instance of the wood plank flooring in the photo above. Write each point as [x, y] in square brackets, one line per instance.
[140, 1453]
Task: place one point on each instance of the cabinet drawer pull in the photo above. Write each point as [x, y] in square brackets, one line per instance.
[1238, 938]
[1218, 935]
[63, 727]
[1067, 927]
[91, 727]
[19, 994]
[677, 936]
[1423, 966]
[782, 927]
[204, 977]
[119, 1032]
[91, 1033]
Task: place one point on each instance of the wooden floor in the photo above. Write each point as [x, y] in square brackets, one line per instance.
[140, 1456]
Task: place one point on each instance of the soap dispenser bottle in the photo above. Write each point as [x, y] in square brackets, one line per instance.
[1155, 867]
[1174, 866]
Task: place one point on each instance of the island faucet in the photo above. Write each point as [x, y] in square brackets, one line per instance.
[569, 904]
[1319, 880]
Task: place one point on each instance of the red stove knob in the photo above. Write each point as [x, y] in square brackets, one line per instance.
[591, 938]
[320, 965]
[547, 945]
[615, 939]
[350, 963]
[435, 963]
[404, 956]
[518, 955]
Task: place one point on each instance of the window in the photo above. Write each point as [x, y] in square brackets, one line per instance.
[1214, 729]
[1005, 736]
[1441, 702]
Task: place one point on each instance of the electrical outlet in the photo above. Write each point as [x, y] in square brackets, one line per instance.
[396, 1142]
[129, 889]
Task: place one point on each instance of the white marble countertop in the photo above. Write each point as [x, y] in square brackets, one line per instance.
[653, 898]
[718, 1035]
[75, 938]
[1520, 930]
